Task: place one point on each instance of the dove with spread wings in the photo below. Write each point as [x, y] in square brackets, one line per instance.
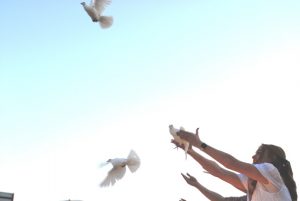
[95, 10]
[119, 168]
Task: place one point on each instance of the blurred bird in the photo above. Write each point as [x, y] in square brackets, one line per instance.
[95, 9]
[71, 200]
[178, 140]
[119, 168]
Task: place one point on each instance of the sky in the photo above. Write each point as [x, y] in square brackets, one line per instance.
[74, 95]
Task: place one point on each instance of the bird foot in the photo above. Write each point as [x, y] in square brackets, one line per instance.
[176, 147]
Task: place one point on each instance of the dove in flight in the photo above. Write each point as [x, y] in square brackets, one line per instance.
[184, 143]
[119, 168]
[71, 200]
[95, 9]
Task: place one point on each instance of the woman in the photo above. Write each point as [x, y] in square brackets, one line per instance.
[269, 178]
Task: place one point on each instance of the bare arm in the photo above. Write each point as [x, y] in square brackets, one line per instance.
[214, 169]
[225, 159]
[241, 198]
[211, 195]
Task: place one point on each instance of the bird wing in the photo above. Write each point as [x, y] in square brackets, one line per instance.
[113, 175]
[99, 5]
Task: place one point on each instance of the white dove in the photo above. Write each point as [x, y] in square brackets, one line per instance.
[177, 139]
[71, 200]
[119, 168]
[95, 9]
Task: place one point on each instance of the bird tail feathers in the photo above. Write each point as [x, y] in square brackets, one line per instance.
[106, 21]
[133, 161]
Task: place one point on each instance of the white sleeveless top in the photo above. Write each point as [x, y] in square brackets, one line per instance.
[275, 190]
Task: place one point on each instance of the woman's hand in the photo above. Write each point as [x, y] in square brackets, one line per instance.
[190, 179]
[192, 138]
[181, 146]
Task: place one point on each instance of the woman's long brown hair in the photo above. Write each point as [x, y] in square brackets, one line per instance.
[278, 159]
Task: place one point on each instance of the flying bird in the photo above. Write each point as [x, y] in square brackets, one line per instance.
[95, 10]
[119, 168]
[173, 131]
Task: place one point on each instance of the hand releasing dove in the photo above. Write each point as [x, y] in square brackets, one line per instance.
[95, 9]
[177, 139]
[119, 168]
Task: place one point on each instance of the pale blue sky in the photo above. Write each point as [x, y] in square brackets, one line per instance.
[230, 67]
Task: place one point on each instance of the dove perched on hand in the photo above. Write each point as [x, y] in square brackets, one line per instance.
[95, 9]
[177, 139]
[119, 168]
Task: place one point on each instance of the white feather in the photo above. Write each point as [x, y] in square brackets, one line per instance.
[100, 5]
[119, 168]
[173, 131]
